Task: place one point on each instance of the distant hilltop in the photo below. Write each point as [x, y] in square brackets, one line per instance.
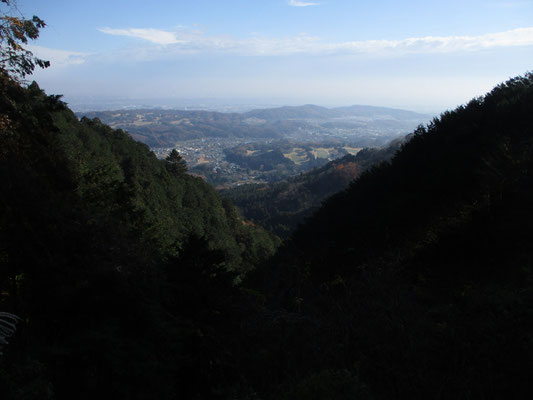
[165, 127]
[311, 111]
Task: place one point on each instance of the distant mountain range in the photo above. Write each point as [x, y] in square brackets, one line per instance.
[164, 128]
[313, 112]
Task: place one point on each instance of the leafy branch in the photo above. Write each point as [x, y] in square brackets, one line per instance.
[16, 31]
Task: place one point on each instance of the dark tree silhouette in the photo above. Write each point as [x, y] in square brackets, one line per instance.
[176, 163]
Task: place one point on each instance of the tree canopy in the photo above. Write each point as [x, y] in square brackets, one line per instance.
[176, 163]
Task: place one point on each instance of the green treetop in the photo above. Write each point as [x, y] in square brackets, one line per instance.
[176, 163]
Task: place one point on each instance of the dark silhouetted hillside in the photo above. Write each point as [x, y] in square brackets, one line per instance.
[135, 280]
[416, 281]
[123, 269]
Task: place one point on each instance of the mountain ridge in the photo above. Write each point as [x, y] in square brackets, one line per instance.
[135, 280]
[312, 111]
[163, 128]
[416, 280]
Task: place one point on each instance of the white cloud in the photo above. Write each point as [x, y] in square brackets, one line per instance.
[191, 42]
[442, 44]
[58, 58]
[296, 3]
[152, 35]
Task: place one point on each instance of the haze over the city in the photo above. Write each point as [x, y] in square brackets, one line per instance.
[418, 55]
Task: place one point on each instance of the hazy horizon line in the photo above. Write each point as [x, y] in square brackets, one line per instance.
[224, 104]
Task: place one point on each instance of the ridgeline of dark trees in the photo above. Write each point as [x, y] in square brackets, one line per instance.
[123, 267]
[135, 280]
[416, 281]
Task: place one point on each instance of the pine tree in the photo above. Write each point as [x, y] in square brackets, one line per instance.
[175, 163]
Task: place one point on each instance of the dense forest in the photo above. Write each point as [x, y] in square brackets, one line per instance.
[415, 282]
[123, 268]
[122, 276]
[134, 279]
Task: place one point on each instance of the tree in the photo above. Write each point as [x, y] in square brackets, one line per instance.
[15, 31]
[176, 163]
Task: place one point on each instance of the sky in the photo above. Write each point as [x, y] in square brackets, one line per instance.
[424, 56]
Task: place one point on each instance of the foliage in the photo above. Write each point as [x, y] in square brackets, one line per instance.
[122, 270]
[15, 31]
[176, 163]
[329, 385]
[136, 280]
[418, 276]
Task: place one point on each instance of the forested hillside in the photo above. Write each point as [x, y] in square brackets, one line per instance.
[123, 268]
[123, 277]
[416, 281]
[135, 280]
[282, 206]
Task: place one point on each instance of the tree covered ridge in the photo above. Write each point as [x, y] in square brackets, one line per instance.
[122, 266]
[417, 279]
[444, 166]
[135, 280]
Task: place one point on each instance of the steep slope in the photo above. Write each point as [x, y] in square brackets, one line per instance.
[282, 206]
[121, 266]
[416, 282]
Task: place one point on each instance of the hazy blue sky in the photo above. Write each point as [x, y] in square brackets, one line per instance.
[421, 55]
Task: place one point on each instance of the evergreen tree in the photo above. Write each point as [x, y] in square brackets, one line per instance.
[175, 163]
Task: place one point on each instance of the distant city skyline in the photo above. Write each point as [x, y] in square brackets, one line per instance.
[417, 55]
